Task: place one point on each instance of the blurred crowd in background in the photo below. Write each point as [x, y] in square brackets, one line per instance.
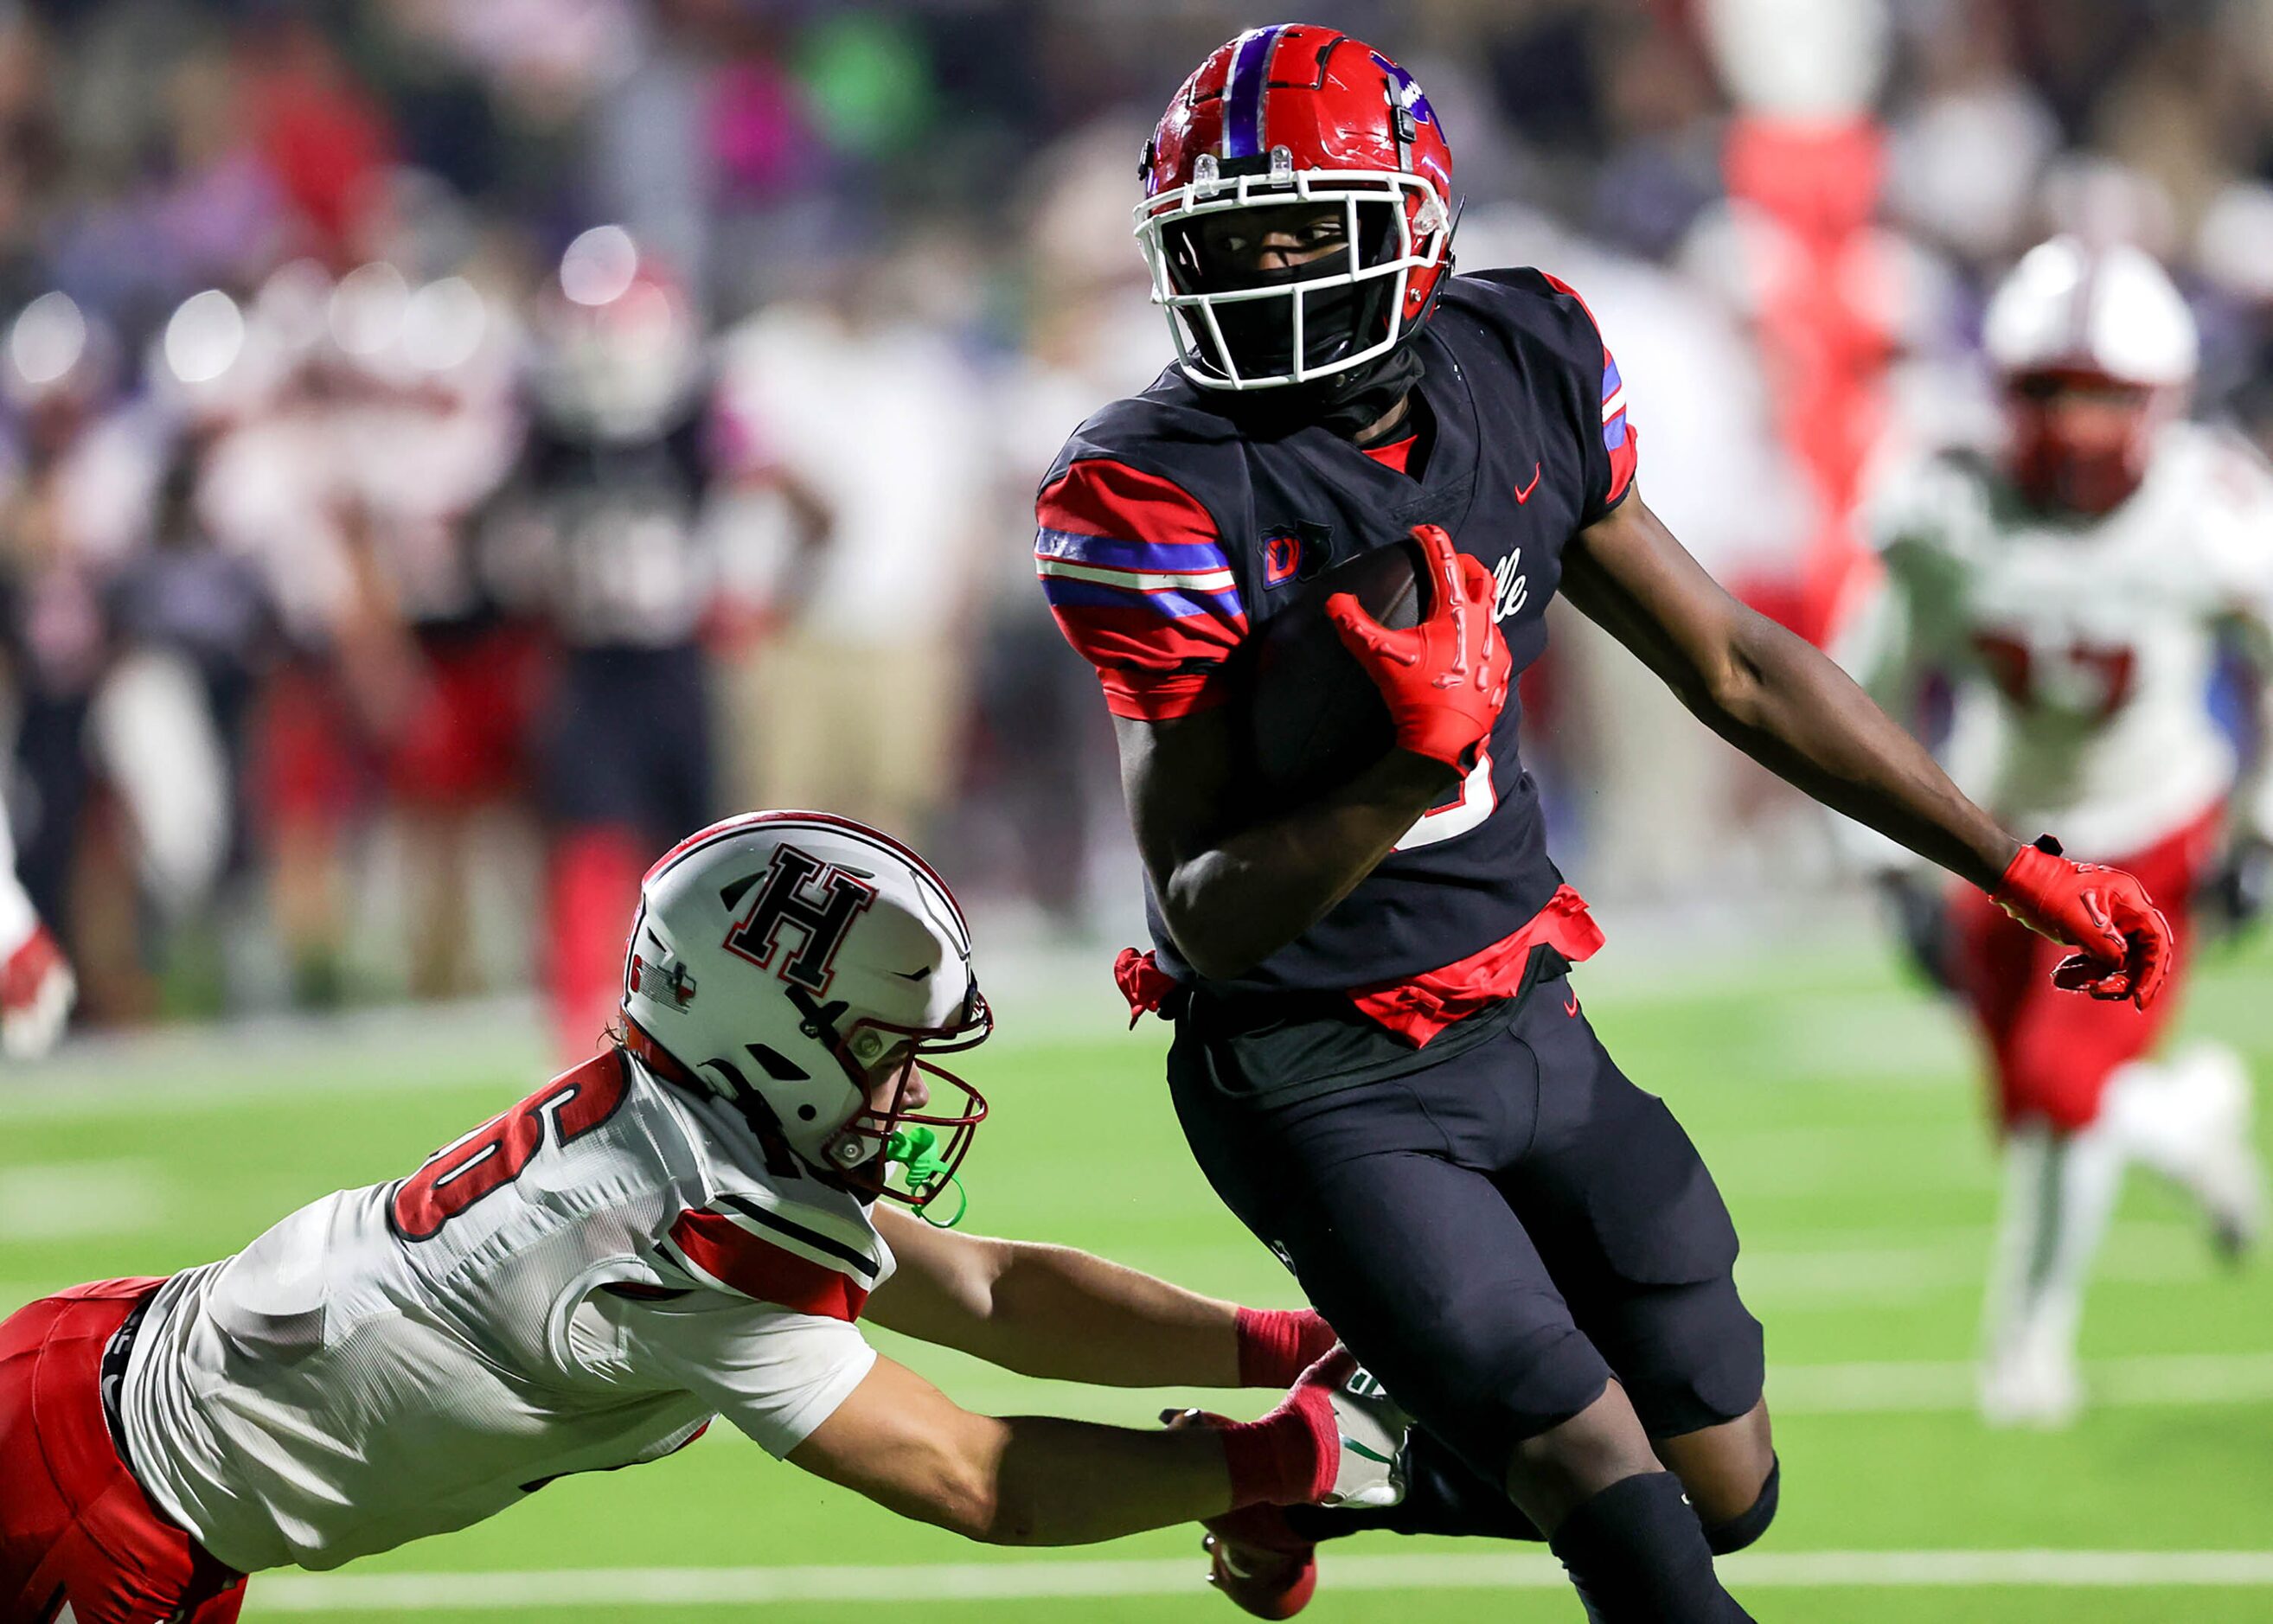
[450, 450]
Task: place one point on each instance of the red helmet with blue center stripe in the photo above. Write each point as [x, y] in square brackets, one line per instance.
[1289, 116]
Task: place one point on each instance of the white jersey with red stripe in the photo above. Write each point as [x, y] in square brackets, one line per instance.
[2081, 651]
[581, 1284]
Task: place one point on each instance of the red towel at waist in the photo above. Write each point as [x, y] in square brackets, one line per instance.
[1420, 1007]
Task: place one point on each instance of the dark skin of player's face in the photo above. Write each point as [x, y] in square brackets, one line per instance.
[1279, 239]
[1276, 239]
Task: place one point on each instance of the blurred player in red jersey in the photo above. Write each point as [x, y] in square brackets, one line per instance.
[2076, 592]
[692, 1224]
[1379, 1061]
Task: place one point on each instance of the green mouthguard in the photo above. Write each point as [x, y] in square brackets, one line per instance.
[916, 1151]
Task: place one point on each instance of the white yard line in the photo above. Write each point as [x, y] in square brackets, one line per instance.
[1919, 1387]
[1839, 1278]
[1025, 1580]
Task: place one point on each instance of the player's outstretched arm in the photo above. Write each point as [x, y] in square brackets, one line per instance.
[1042, 1481]
[1066, 1315]
[1788, 706]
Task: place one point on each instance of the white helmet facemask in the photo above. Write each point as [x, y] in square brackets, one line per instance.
[1260, 330]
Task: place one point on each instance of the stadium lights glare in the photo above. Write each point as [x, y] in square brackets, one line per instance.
[291, 304]
[599, 266]
[444, 324]
[48, 338]
[367, 308]
[205, 337]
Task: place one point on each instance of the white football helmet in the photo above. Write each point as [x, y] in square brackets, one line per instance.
[2073, 320]
[619, 354]
[784, 961]
[2112, 313]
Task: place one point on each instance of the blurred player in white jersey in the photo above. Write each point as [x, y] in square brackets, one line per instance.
[2076, 592]
[686, 1226]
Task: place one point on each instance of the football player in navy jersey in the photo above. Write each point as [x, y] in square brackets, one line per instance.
[1378, 1061]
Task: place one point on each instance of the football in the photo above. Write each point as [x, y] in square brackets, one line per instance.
[1316, 719]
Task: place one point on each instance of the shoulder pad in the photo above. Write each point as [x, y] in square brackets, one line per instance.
[1522, 302]
[2214, 499]
[1167, 428]
[2235, 468]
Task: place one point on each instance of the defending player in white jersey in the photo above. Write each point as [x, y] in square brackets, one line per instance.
[2075, 594]
[685, 1226]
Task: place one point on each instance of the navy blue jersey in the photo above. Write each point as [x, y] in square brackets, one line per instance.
[625, 564]
[1166, 537]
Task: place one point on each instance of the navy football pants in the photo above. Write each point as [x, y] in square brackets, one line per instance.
[1495, 1235]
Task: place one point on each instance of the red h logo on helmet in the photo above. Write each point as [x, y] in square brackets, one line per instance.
[817, 900]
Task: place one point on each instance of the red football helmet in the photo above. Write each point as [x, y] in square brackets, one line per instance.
[1286, 115]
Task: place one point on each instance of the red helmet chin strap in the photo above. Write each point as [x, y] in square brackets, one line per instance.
[861, 1150]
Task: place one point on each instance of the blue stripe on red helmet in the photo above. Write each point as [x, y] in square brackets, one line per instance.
[1242, 117]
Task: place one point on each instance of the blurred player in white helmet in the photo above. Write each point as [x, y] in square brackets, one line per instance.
[2077, 592]
[603, 530]
[689, 1226]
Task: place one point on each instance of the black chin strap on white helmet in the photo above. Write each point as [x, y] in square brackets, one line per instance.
[818, 1020]
[764, 1123]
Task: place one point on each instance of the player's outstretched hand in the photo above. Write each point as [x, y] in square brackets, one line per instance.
[2124, 944]
[1360, 1424]
[1336, 1440]
[1445, 679]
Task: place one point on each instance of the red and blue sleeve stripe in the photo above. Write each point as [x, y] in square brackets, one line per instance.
[1617, 433]
[1104, 572]
[1139, 579]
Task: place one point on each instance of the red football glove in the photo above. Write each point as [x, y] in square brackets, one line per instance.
[2126, 944]
[1331, 1441]
[1445, 679]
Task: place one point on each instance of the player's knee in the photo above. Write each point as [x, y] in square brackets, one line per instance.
[1575, 1460]
[1749, 1524]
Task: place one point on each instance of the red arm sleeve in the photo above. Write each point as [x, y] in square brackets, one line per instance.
[1137, 574]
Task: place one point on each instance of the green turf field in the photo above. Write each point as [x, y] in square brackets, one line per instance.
[1834, 1104]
